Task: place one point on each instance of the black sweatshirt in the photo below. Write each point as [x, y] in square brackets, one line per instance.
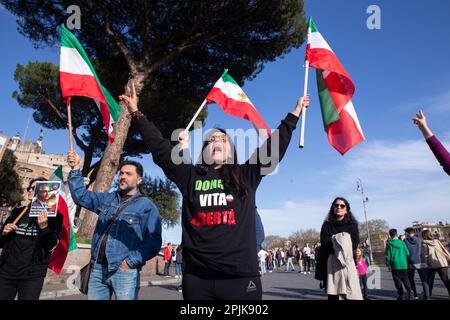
[26, 252]
[219, 237]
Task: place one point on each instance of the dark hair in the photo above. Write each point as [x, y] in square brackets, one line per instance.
[426, 235]
[349, 218]
[137, 165]
[409, 230]
[231, 175]
[392, 233]
[36, 179]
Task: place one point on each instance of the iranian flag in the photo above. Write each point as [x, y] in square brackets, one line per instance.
[67, 240]
[232, 99]
[78, 78]
[336, 90]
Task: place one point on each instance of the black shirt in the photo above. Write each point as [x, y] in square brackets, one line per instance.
[219, 236]
[26, 252]
[326, 246]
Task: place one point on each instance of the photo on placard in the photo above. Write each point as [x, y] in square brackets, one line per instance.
[45, 199]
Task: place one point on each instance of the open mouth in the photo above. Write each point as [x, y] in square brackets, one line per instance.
[217, 149]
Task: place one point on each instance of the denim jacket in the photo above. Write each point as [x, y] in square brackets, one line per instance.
[135, 235]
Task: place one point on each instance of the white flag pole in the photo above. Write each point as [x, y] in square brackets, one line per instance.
[303, 114]
[305, 91]
[195, 116]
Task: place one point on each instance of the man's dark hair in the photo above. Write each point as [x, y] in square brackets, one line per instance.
[409, 230]
[137, 165]
[393, 232]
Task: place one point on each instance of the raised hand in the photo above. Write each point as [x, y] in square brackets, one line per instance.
[303, 102]
[43, 220]
[421, 121]
[183, 138]
[130, 98]
[9, 228]
[73, 160]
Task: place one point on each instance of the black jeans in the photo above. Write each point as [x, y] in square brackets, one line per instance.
[307, 264]
[443, 274]
[245, 288]
[27, 289]
[401, 276]
[423, 274]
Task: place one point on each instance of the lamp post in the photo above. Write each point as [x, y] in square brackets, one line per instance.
[364, 200]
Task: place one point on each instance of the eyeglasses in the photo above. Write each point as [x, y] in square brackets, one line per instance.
[218, 139]
[339, 206]
[30, 189]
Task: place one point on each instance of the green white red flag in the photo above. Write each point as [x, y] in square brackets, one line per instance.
[78, 78]
[336, 90]
[233, 101]
[67, 240]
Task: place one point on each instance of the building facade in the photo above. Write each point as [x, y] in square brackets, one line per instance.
[33, 162]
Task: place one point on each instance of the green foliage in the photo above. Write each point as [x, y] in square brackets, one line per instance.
[11, 192]
[377, 227]
[302, 237]
[179, 48]
[165, 196]
[271, 242]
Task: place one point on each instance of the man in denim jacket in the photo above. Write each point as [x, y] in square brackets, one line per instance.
[121, 248]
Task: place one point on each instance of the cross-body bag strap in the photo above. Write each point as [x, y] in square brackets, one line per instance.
[119, 210]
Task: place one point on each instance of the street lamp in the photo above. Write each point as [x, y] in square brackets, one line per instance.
[364, 200]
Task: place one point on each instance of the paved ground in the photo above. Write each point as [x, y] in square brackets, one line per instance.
[278, 285]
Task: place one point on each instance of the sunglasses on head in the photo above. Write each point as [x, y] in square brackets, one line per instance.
[339, 206]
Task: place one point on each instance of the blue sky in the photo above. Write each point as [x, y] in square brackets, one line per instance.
[398, 69]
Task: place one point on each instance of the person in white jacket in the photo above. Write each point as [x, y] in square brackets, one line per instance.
[343, 278]
[437, 258]
[262, 255]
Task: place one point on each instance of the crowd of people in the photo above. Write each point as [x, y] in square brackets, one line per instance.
[406, 254]
[285, 258]
[219, 228]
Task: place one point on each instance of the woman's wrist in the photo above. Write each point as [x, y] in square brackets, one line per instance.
[426, 132]
[136, 114]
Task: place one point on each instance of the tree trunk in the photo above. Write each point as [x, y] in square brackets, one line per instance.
[110, 160]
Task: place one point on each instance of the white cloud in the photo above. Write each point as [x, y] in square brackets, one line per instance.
[402, 179]
[293, 216]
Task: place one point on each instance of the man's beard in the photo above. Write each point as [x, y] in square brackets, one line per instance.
[126, 189]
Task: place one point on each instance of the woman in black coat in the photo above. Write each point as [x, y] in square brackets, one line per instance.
[27, 247]
[339, 219]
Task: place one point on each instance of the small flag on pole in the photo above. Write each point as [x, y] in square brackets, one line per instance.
[78, 78]
[336, 90]
[232, 99]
